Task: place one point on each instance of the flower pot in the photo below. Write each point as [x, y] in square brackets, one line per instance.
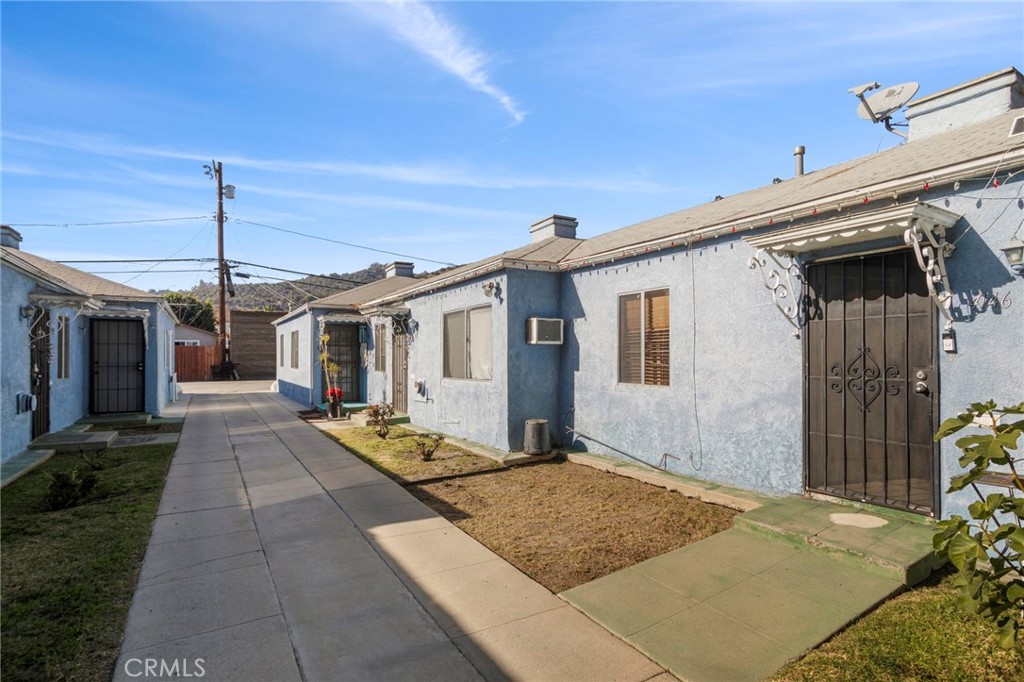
[335, 410]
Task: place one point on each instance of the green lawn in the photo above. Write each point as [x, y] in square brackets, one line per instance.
[923, 634]
[68, 576]
[396, 456]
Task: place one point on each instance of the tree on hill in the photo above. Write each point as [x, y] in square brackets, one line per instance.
[192, 310]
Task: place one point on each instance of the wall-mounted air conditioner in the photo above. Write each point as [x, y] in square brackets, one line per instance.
[544, 331]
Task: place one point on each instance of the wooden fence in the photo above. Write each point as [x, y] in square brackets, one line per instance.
[193, 363]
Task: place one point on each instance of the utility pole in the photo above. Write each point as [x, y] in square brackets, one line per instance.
[222, 330]
[216, 171]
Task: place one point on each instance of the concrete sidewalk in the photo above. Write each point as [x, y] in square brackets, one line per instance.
[276, 555]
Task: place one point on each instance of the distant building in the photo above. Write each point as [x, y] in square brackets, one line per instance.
[187, 335]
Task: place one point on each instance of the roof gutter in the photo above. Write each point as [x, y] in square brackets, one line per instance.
[892, 190]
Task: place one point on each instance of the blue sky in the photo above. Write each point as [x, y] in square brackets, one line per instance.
[437, 130]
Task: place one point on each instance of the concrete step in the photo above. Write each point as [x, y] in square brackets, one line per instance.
[126, 419]
[75, 442]
[894, 543]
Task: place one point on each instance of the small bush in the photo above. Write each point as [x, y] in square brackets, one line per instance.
[67, 488]
[425, 449]
[379, 416]
[93, 461]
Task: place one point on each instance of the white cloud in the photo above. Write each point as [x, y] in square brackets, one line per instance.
[430, 34]
[415, 173]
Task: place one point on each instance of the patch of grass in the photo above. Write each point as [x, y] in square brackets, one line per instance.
[167, 427]
[564, 524]
[396, 457]
[67, 577]
[923, 634]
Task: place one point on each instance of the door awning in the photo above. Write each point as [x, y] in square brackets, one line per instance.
[341, 318]
[894, 221]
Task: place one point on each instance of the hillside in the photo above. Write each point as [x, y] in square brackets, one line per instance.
[257, 294]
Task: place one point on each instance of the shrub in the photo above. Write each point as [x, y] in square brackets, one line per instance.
[425, 449]
[988, 550]
[67, 488]
[379, 415]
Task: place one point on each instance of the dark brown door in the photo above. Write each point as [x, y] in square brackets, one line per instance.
[39, 343]
[343, 349]
[118, 366]
[400, 370]
[871, 382]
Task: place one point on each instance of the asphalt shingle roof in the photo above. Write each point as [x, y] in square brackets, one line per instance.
[83, 281]
[366, 292]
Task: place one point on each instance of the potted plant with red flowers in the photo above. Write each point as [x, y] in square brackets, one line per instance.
[334, 406]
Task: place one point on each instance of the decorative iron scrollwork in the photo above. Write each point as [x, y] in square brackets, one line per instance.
[931, 250]
[778, 279]
[864, 379]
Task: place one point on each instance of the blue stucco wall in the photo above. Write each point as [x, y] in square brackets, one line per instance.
[990, 338]
[533, 370]
[69, 398]
[296, 383]
[378, 384]
[15, 429]
[748, 391]
[477, 410]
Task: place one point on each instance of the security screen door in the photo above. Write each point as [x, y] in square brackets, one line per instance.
[871, 382]
[118, 366]
[343, 348]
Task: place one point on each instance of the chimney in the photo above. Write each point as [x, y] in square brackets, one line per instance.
[799, 154]
[398, 269]
[964, 104]
[10, 237]
[553, 226]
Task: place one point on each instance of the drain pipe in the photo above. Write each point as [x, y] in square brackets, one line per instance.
[580, 434]
[799, 154]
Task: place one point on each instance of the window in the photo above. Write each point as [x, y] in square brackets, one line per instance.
[186, 342]
[379, 359]
[295, 350]
[281, 350]
[63, 347]
[467, 344]
[643, 338]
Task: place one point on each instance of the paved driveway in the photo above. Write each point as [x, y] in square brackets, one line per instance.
[277, 555]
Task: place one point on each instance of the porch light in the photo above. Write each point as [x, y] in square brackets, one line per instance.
[28, 311]
[1014, 252]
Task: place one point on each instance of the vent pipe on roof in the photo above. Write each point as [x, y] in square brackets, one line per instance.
[798, 153]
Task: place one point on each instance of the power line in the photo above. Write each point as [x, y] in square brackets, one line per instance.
[336, 241]
[189, 242]
[308, 284]
[141, 272]
[140, 260]
[111, 222]
[298, 272]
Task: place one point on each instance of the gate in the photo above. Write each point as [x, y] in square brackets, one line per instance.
[39, 343]
[118, 353]
[871, 383]
[400, 369]
[343, 349]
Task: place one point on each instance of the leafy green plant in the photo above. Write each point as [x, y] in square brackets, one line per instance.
[379, 416]
[425, 448]
[988, 549]
[67, 488]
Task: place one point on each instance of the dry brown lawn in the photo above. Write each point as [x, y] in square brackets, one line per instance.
[565, 524]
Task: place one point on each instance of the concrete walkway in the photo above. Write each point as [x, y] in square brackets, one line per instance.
[276, 555]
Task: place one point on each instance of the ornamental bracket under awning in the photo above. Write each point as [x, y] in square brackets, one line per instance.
[921, 226]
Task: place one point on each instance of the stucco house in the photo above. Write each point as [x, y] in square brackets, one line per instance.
[807, 335]
[358, 343]
[75, 344]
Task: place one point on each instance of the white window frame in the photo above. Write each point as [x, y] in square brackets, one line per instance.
[643, 294]
[63, 347]
[380, 360]
[295, 349]
[282, 350]
[467, 343]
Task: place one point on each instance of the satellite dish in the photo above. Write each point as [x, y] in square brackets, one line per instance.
[886, 102]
